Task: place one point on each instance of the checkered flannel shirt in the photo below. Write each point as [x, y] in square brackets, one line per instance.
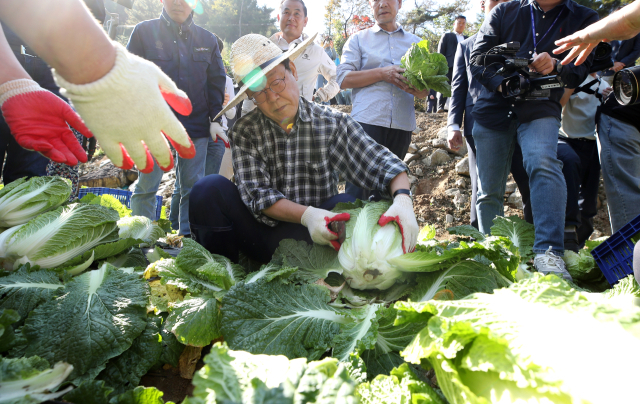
[303, 166]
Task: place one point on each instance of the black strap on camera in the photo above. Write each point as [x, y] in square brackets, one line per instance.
[587, 89]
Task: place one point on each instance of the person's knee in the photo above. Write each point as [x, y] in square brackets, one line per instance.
[206, 190]
[570, 160]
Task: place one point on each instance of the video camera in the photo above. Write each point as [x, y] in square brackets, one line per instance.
[602, 59]
[524, 85]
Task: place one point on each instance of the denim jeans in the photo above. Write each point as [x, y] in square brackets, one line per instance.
[538, 140]
[188, 172]
[619, 147]
[215, 152]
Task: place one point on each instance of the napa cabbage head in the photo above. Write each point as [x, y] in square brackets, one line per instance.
[22, 200]
[368, 247]
[54, 238]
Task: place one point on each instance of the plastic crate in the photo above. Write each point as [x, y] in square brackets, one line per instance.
[121, 195]
[615, 255]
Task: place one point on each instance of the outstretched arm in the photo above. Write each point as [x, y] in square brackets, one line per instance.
[622, 24]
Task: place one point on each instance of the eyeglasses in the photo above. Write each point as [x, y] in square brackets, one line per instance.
[276, 87]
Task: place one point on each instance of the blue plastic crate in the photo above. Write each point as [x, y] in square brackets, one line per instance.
[615, 255]
[120, 194]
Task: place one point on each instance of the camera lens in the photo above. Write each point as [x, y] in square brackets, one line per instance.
[625, 85]
[602, 51]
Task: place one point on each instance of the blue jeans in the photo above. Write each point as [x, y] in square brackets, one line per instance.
[215, 152]
[188, 172]
[619, 147]
[538, 140]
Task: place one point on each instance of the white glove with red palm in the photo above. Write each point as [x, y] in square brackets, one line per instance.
[401, 212]
[317, 221]
[39, 120]
[216, 132]
[127, 112]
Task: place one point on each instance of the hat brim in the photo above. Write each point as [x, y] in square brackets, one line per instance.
[290, 54]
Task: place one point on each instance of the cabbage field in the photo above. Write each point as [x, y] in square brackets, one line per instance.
[91, 302]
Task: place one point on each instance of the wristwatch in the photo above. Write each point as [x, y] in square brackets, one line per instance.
[403, 191]
[559, 66]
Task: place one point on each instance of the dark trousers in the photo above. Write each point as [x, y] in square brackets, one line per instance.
[223, 224]
[441, 98]
[431, 103]
[396, 140]
[581, 169]
[517, 171]
[21, 162]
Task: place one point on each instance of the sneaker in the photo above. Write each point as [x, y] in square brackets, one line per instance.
[549, 263]
[571, 241]
[440, 111]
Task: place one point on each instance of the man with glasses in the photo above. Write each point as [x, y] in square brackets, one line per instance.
[382, 98]
[287, 155]
[311, 63]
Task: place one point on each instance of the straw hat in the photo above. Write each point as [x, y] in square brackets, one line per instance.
[252, 57]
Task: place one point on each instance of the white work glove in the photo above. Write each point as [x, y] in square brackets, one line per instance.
[127, 113]
[216, 131]
[401, 212]
[321, 95]
[230, 113]
[317, 221]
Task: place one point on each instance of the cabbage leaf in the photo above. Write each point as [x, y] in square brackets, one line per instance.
[22, 200]
[425, 70]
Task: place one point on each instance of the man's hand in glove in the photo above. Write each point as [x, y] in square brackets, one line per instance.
[39, 120]
[216, 131]
[317, 221]
[401, 212]
[127, 113]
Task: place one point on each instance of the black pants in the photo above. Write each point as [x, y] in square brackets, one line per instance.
[442, 100]
[517, 171]
[431, 103]
[581, 169]
[223, 224]
[396, 140]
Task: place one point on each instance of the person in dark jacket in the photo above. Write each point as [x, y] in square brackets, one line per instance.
[190, 56]
[465, 90]
[447, 46]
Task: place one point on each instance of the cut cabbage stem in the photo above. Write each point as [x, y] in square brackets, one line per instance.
[371, 274]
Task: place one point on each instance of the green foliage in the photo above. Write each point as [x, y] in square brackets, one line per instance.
[108, 201]
[425, 70]
[231, 19]
[30, 380]
[604, 7]
[526, 343]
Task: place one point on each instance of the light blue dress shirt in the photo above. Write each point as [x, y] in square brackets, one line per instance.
[381, 103]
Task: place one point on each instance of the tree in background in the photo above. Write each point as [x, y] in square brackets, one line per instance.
[343, 18]
[431, 20]
[231, 19]
[604, 7]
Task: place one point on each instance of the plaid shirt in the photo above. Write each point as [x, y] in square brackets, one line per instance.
[303, 166]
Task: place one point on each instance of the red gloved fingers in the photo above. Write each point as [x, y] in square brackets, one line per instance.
[74, 120]
[226, 144]
[342, 217]
[127, 162]
[150, 162]
[170, 166]
[386, 219]
[184, 152]
[180, 104]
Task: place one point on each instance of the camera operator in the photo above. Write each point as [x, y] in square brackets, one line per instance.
[619, 145]
[501, 122]
[578, 151]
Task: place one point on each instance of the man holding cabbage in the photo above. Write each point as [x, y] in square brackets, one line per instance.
[382, 95]
[287, 155]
